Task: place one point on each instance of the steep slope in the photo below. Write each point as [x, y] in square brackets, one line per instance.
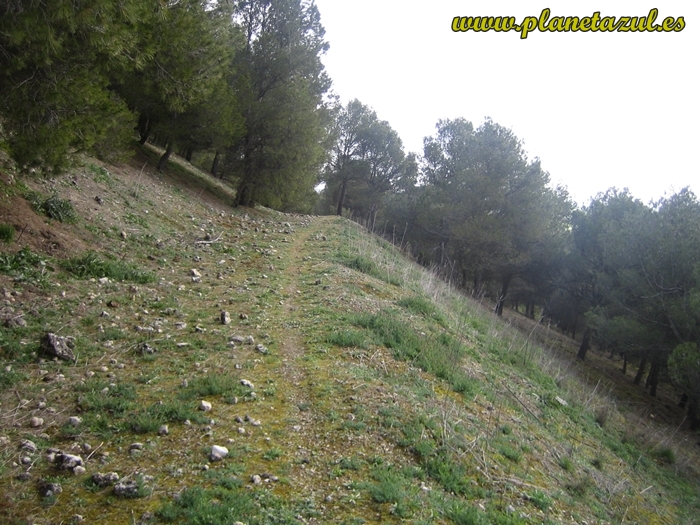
[347, 384]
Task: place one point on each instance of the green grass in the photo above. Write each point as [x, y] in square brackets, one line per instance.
[440, 355]
[348, 339]
[101, 398]
[367, 266]
[421, 306]
[91, 265]
[26, 266]
[215, 385]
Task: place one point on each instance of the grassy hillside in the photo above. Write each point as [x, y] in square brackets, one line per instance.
[347, 384]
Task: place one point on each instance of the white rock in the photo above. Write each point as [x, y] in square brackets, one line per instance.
[195, 273]
[218, 453]
[205, 406]
[74, 421]
[247, 383]
[36, 422]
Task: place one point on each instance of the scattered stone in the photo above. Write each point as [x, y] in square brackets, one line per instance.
[136, 446]
[98, 199]
[254, 422]
[241, 430]
[180, 325]
[247, 383]
[561, 401]
[59, 346]
[249, 340]
[510, 509]
[36, 422]
[243, 317]
[79, 470]
[199, 329]
[146, 349]
[103, 280]
[261, 349]
[256, 479]
[123, 235]
[205, 406]
[47, 489]
[195, 273]
[68, 461]
[218, 453]
[23, 476]
[225, 317]
[104, 480]
[16, 321]
[237, 339]
[77, 518]
[28, 445]
[126, 489]
[163, 430]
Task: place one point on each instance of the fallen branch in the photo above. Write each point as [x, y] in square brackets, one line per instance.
[523, 404]
[209, 242]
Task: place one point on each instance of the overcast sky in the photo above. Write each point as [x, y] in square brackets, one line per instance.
[599, 109]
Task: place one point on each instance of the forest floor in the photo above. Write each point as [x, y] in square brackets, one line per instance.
[249, 366]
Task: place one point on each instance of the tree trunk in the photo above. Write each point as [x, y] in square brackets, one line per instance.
[693, 413]
[215, 164]
[624, 363]
[341, 199]
[585, 345]
[684, 400]
[498, 310]
[653, 379]
[144, 128]
[573, 328]
[164, 159]
[530, 310]
[640, 372]
[188, 154]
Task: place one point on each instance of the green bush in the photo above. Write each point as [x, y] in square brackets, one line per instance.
[7, 233]
[53, 206]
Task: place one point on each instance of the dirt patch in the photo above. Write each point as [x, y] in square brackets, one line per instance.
[35, 231]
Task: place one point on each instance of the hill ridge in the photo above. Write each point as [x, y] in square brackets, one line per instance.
[371, 392]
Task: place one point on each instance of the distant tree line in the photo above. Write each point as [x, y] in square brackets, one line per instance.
[623, 274]
[243, 81]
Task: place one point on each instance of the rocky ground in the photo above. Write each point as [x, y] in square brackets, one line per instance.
[167, 358]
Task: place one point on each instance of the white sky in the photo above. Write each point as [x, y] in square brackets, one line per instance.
[599, 109]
